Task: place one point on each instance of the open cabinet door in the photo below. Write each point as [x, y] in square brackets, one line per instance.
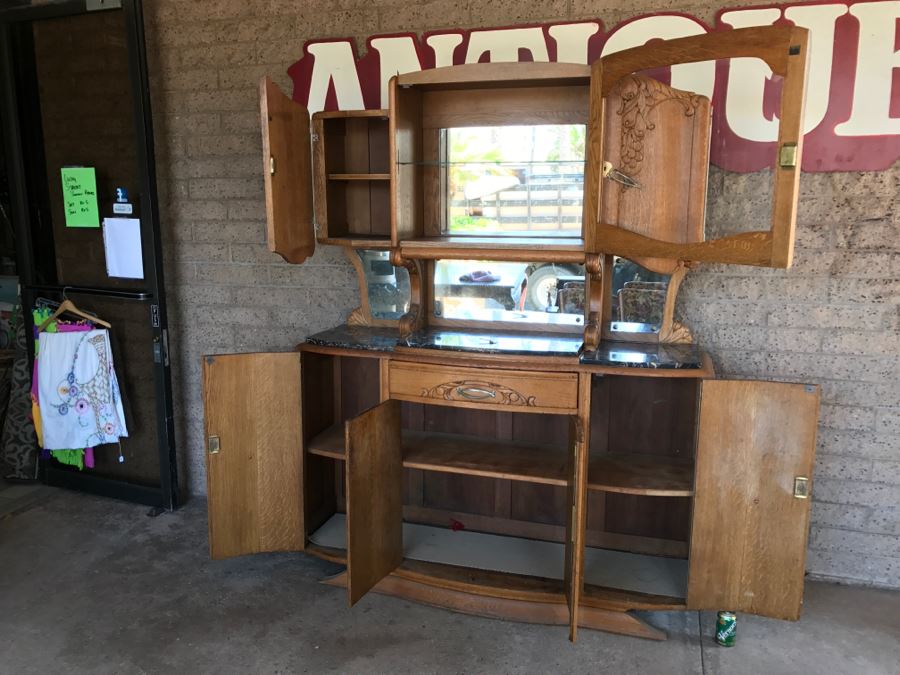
[288, 174]
[374, 499]
[755, 449]
[577, 513]
[254, 456]
[651, 194]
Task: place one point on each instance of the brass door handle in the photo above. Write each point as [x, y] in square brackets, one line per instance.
[475, 393]
[612, 173]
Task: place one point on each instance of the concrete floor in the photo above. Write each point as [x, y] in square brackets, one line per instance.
[89, 585]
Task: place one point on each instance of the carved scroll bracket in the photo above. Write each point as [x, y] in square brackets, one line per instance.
[671, 331]
[414, 319]
[593, 320]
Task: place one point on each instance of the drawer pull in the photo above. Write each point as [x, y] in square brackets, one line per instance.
[473, 390]
[475, 393]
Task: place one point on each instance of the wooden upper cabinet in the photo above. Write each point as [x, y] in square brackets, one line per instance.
[754, 459]
[351, 171]
[288, 174]
[254, 464]
[669, 177]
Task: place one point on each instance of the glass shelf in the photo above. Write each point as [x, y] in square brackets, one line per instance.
[526, 162]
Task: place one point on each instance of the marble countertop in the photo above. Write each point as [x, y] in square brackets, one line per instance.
[637, 355]
[356, 337]
[612, 354]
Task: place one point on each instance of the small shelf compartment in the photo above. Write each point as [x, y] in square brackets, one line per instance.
[647, 475]
[352, 178]
[461, 454]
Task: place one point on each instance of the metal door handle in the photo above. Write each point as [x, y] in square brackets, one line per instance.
[475, 393]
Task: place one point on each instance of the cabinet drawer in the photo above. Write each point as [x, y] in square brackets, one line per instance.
[484, 387]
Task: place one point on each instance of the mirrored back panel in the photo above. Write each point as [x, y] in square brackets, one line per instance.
[527, 294]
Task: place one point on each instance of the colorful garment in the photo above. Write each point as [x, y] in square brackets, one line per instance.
[79, 457]
[78, 391]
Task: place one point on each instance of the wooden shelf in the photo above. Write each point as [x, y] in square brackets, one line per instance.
[498, 563]
[381, 113]
[647, 475]
[470, 455]
[358, 241]
[510, 249]
[359, 176]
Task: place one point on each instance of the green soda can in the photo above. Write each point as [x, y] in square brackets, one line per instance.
[726, 629]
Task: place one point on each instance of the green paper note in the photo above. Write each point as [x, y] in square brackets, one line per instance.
[79, 186]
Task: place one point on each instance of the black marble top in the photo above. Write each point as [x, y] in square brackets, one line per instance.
[612, 354]
[636, 355]
[492, 342]
[356, 337]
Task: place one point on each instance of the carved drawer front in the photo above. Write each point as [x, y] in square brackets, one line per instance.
[523, 391]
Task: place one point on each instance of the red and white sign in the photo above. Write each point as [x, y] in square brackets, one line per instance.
[852, 120]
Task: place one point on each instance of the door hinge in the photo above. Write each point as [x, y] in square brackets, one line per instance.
[212, 445]
[787, 156]
[801, 487]
[95, 5]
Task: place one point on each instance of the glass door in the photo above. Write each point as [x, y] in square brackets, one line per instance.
[78, 132]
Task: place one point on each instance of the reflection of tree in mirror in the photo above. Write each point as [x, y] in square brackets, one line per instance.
[569, 143]
[514, 180]
[468, 148]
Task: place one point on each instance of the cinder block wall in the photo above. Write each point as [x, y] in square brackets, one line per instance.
[834, 318]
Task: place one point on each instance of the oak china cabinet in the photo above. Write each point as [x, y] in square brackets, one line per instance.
[513, 423]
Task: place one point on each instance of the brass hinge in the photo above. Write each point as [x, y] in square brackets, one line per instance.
[787, 156]
[801, 487]
[212, 445]
[271, 165]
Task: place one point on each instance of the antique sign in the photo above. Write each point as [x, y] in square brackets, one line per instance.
[852, 118]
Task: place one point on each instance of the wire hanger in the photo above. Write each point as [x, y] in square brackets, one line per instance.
[69, 306]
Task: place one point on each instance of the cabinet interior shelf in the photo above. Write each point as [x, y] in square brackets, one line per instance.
[510, 556]
[359, 176]
[443, 164]
[370, 241]
[647, 475]
[500, 248]
[470, 455]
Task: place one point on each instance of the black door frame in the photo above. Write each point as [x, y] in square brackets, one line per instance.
[166, 496]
